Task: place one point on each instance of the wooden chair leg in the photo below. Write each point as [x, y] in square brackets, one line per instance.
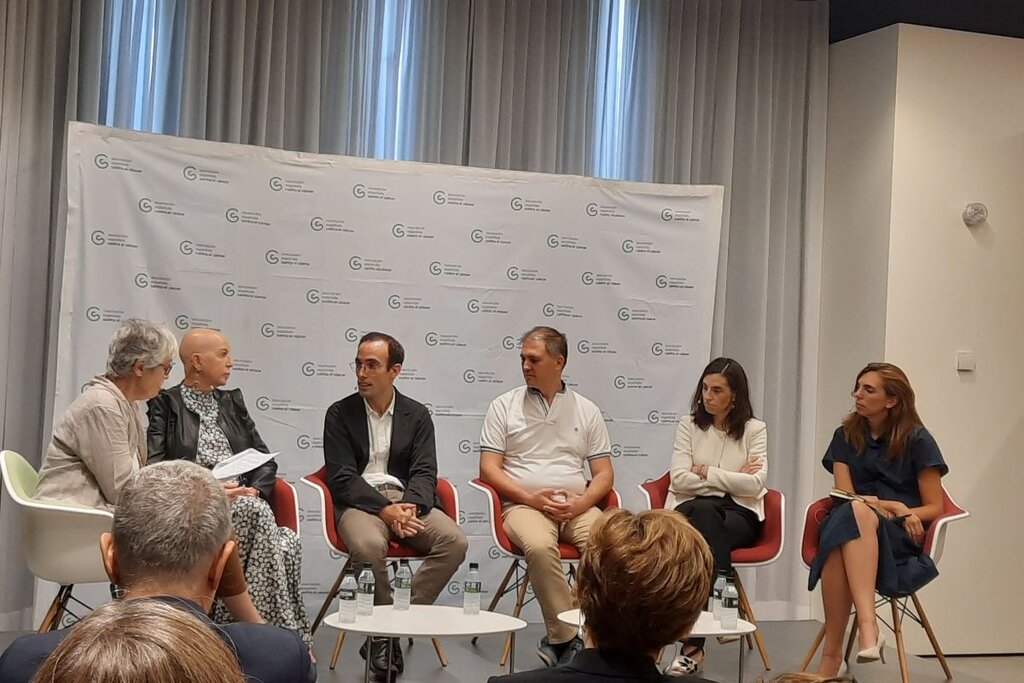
[337, 649]
[748, 613]
[520, 598]
[51, 621]
[328, 599]
[500, 592]
[931, 636]
[814, 648]
[440, 653]
[897, 627]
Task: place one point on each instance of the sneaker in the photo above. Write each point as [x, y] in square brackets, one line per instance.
[548, 653]
[685, 666]
[572, 648]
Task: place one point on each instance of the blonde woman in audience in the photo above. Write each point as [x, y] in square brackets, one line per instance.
[140, 641]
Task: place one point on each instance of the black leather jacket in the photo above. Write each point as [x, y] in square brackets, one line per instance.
[174, 433]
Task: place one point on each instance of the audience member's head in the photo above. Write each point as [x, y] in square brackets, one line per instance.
[140, 641]
[643, 580]
[171, 532]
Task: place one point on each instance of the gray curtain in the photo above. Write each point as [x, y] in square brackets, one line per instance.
[727, 92]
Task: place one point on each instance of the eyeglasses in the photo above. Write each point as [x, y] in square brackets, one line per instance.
[370, 365]
[166, 368]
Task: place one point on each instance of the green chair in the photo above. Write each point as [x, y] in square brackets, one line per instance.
[60, 541]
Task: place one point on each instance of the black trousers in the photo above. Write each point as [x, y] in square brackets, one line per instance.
[724, 524]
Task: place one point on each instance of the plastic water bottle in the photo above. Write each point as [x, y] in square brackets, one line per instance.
[403, 586]
[716, 608]
[471, 590]
[364, 600]
[730, 606]
[347, 598]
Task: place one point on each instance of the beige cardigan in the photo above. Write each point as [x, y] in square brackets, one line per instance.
[96, 447]
[724, 456]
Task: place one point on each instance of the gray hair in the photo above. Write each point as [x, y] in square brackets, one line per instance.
[170, 517]
[139, 340]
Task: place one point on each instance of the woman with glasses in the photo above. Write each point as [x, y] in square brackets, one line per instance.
[200, 422]
[99, 442]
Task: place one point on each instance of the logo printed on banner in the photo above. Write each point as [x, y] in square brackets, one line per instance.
[190, 248]
[408, 303]
[631, 382]
[590, 278]
[565, 242]
[438, 410]
[467, 446]
[526, 204]
[684, 215]
[246, 365]
[509, 342]
[321, 224]
[183, 322]
[441, 339]
[352, 335]
[274, 330]
[95, 314]
[486, 307]
[482, 236]
[668, 349]
[370, 265]
[149, 205]
[231, 289]
[203, 175]
[597, 348]
[106, 162]
[671, 282]
[316, 296]
[105, 239]
[145, 280]
[413, 232]
[627, 314]
[268, 404]
[236, 215]
[442, 198]
[515, 273]
[412, 374]
[628, 451]
[379, 193]
[311, 369]
[438, 269]
[472, 376]
[593, 209]
[285, 258]
[662, 417]
[631, 246]
[552, 310]
[279, 184]
[305, 441]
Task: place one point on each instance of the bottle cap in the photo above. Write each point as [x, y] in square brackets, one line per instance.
[473, 565]
[404, 561]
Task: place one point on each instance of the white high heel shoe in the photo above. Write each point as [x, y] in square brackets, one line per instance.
[873, 654]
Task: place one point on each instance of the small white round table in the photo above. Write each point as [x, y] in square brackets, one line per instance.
[428, 621]
[706, 627]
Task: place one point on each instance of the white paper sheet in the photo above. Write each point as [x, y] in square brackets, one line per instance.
[240, 463]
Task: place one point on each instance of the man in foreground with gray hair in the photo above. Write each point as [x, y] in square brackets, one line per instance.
[170, 541]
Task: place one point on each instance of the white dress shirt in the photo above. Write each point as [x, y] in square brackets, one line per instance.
[376, 472]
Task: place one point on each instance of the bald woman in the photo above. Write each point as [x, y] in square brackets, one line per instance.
[198, 421]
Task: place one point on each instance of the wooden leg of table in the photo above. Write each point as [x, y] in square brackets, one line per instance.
[931, 636]
[897, 627]
[814, 648]
[337, 650]
[440, 653]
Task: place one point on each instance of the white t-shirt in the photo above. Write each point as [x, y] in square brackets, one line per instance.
[545, 446]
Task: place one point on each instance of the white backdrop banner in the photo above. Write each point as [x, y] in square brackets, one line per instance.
[294, 256]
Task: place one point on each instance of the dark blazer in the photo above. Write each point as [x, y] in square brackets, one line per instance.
[266, 653]
[174, 433]
[599, 666]
[412, 458]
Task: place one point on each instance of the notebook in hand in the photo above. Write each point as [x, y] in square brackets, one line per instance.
[845, 495]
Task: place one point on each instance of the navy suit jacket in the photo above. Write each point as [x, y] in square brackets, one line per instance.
[412, 458]
[266, 653]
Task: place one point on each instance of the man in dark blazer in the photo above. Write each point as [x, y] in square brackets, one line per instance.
[382, 472]
[171, 538]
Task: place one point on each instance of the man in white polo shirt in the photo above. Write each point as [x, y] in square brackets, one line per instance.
[535, 441]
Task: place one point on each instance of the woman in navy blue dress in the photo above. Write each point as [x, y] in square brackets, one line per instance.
[883, 454]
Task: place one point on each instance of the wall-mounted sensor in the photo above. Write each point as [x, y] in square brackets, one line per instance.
[965, 361]
[975, 213]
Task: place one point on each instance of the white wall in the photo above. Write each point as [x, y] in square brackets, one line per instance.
[957, 135]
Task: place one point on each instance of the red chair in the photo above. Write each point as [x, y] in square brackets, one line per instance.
[396, 551]
[286, 505]
[767, 548]
[934, 541]
[503, 543]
